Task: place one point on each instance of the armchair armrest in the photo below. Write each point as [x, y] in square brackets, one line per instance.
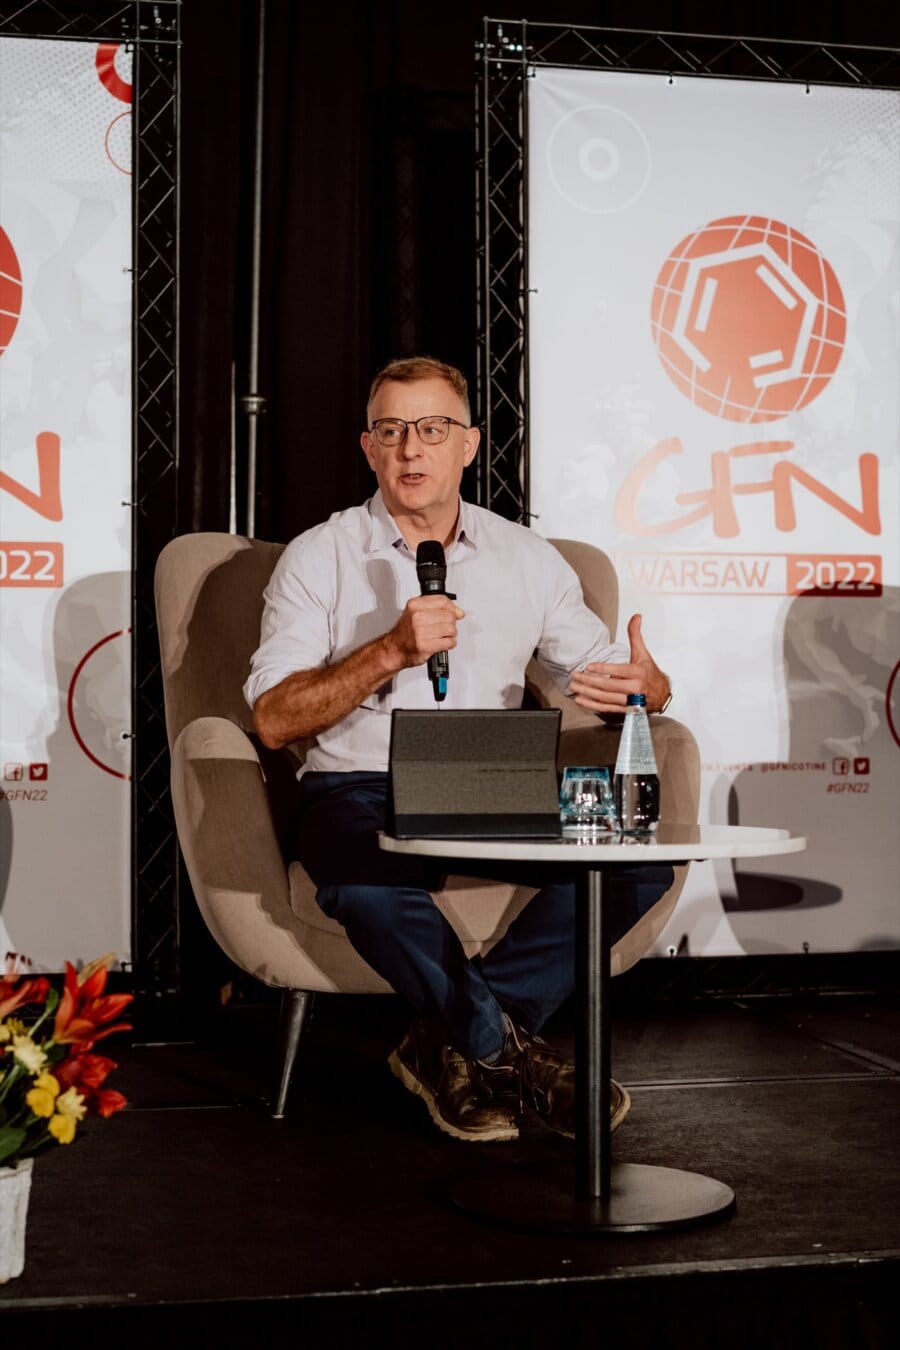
[231, 850]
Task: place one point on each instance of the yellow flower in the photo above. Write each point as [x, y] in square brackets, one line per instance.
[71, 1104]
[62, 1128]
[9, 1028]
[30, 1055]
[42, 1096]
[40, 1102]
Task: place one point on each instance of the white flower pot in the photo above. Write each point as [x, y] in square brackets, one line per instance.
[15, 1184]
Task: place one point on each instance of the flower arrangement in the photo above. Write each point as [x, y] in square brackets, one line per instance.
[49, 1077]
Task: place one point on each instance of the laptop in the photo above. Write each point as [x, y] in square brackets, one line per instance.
[477, 774]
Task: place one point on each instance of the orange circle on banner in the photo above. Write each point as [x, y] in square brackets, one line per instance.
[70, 705]
[748, 318]
[892, 688]
[10, 290]
[114, 137]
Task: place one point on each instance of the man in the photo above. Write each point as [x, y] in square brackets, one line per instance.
[345, 633]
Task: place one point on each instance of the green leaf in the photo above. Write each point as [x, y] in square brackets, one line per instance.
[11, 1077]
[49, 1007]
[11, 1140]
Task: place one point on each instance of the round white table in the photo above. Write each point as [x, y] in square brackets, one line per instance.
[600, 1196]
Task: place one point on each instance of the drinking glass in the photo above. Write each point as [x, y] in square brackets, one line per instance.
[586, 800]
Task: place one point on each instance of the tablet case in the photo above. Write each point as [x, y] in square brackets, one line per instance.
[481, 774]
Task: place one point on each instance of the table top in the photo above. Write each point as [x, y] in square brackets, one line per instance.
[670, 843]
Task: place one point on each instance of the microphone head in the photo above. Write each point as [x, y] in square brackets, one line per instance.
[431, 565]
[431, 552]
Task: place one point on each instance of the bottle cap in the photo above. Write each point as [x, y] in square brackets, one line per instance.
[636, 701]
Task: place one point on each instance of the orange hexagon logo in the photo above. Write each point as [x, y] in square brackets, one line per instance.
[748, 318]
[10, 290]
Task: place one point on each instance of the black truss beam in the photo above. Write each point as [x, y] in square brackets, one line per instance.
[151, 28]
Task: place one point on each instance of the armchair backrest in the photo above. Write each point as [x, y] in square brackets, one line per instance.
[208, 608]
[601, 593]
[598, 578]
[209, 604]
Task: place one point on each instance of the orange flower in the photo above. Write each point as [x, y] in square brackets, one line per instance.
[84, 1013]
[16, 990]
[106, 1103]
[81, 1070]
[87, 1073]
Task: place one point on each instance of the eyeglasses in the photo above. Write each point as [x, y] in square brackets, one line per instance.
[392, 431]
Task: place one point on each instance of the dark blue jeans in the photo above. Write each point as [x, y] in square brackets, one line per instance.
[382, 900]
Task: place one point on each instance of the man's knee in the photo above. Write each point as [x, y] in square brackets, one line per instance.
[346, 902]
[375, 906]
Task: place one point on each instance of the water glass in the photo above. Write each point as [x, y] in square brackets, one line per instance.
[586, 800]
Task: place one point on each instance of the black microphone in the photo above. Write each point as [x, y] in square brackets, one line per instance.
[431, 569]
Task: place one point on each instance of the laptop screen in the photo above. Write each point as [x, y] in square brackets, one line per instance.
[475, 773]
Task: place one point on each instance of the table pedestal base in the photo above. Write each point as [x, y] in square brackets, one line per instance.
[642, 1198]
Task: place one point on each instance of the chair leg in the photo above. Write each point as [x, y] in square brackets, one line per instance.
[295, 1008]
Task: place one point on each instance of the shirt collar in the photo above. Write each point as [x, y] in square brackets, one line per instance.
[467, 532]
[384, 532]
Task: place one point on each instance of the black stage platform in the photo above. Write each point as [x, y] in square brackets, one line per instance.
[193, 1216]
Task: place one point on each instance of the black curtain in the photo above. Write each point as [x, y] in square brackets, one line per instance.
[214, 89]
[317, 264]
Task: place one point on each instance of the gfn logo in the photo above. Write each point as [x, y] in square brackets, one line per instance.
[47, 501]
[748, 319]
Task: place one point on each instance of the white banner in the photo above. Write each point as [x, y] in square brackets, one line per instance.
[65, 500]
[715, 401]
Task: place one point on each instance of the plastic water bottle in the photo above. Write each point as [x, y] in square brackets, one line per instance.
[636, 782]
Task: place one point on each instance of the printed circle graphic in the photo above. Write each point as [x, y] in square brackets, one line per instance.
[599, 159]
[892, 703]
[109, 77]
[10, 290]
[99, 683]
[748, 318]
[117, 142]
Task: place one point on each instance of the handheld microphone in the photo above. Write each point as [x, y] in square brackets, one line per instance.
[431, 569]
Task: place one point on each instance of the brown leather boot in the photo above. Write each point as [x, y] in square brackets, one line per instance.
[548, 1082]
[454, 1089]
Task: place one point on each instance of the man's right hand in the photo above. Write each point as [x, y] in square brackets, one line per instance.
[310, 701]
[427, 625]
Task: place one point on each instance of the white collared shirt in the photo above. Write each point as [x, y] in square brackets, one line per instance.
[347, 581]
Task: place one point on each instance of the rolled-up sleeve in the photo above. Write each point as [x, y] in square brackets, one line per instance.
[296, 627]
[573, 636]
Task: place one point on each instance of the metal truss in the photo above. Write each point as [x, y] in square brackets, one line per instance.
[506, 56]
[155, 894]
[501, 158]
[152, 30]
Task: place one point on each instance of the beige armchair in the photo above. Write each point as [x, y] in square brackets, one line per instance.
[234, 801]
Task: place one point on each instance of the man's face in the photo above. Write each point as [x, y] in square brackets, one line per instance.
[417, 479]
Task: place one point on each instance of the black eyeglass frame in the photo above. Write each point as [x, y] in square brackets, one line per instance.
[429, 417]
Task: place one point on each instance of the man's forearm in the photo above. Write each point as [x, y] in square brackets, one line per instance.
[311, 701]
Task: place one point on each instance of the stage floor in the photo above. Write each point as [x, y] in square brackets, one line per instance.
[193, 1214]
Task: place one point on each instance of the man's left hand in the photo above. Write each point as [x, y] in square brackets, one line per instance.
[604, 686]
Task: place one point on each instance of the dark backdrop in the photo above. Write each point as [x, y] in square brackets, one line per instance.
[369, 215]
